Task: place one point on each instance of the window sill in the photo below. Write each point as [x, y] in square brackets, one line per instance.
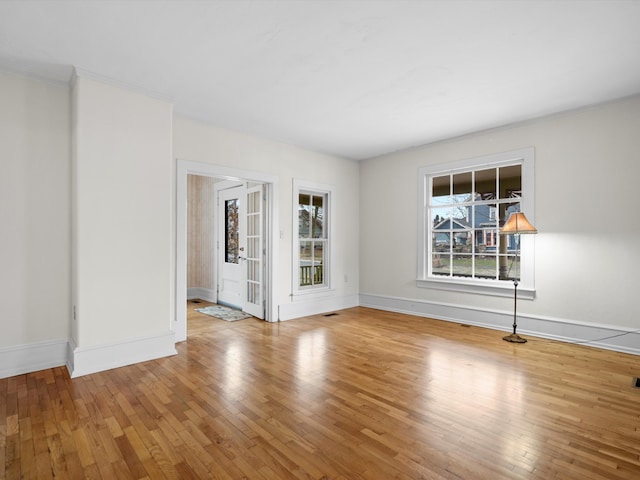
[479, 287]
[304, 295]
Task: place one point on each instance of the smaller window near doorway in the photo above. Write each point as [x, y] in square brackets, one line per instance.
[311, 249]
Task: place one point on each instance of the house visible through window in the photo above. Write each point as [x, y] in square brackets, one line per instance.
[465, 204]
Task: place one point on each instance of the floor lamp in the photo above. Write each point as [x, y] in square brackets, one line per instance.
[517, 224]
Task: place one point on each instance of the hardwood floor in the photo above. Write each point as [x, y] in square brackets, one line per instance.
[364, 394]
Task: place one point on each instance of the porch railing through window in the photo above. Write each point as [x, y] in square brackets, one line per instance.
[311, 275]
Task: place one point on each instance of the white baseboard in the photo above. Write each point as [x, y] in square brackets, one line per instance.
[32, 357]
[86, 360]
[608, 337]
[206, 294]
[315, 306]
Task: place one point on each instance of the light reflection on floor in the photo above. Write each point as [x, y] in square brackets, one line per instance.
[233, 371]
[490, 388]
[311, 352]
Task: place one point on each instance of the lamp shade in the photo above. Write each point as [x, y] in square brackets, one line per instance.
[518, 223]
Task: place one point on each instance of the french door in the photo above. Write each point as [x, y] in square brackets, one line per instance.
[240, 246]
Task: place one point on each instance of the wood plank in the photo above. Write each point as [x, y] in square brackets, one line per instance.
[364, 394]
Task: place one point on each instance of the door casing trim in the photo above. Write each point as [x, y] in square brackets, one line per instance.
[188, 167]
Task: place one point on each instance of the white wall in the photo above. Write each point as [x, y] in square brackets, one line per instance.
[199, 142]
[35, 224]
[586, 260]
[122, 227]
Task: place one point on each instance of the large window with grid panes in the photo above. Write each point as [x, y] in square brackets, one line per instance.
[463, 206]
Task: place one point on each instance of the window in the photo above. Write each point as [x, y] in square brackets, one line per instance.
[231, 229]
[311, 236]
[463, 206]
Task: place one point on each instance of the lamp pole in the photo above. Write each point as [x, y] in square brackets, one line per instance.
[514, 337]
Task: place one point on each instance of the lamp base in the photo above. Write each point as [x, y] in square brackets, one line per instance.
[514, 338]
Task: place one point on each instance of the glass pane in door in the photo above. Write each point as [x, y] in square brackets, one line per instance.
[231, 230]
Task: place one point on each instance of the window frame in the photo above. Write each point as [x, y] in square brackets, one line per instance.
[425, 279]
[312, 188]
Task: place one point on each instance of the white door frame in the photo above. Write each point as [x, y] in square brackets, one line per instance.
[187, 167]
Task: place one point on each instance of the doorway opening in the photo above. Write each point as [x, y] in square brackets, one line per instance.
[229, 257]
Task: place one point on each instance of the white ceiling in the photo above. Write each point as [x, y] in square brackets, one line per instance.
[352, 78]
